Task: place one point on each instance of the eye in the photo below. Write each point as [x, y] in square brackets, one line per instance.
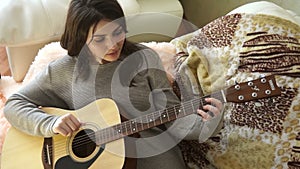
[99, 39]
[118, 31]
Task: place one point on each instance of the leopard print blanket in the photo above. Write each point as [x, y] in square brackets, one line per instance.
[263, 133]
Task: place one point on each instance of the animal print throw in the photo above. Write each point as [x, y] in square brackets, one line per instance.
[236, 48]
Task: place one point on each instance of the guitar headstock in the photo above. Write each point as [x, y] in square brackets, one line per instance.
[252, 90]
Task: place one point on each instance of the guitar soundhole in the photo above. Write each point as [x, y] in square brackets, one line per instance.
[84, 144]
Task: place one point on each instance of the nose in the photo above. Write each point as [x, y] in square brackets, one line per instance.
[110, 43]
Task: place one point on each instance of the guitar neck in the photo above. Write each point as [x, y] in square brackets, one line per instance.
[153, 119]
[252, 90]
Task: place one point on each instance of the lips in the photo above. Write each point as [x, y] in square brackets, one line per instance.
[112, 53]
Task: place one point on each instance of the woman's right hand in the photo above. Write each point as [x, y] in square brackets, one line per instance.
[66, 125]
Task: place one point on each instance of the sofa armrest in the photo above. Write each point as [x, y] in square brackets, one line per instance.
[29, 22]
[130, 6]
[28, 25]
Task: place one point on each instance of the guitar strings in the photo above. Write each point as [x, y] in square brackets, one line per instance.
[106, 133]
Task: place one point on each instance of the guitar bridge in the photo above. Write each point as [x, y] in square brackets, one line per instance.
[47, 153]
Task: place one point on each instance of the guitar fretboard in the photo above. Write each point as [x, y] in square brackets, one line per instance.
[153, 119]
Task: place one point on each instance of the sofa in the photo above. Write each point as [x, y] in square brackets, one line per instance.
[32, 24]
[263, 133]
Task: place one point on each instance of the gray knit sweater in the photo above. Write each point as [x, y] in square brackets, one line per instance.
[144, 90]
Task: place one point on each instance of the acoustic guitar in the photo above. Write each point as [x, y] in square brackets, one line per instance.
[100, 142]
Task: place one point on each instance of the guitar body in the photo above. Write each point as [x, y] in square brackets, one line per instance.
[78, 151]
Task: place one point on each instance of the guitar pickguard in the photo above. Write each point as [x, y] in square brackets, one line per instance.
[67, 162]
[83, 151]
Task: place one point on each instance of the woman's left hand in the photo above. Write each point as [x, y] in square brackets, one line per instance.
[215, 107]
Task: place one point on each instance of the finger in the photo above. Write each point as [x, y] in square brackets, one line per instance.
[205, 116]
[76, 121]
[73, 122]
[62, 129]
[215, 102]
[65, 125]
[214, 110]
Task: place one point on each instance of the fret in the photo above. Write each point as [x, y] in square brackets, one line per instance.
[145, 122]
[191, 102]
[164, 116]
[128, 127]
[124, 124]
[104, 136]
[178, 111]
[171, 113]
[153, 119]
[183, 110]
[175, 112]
[158, 119]
[114, 135]
[118, 130]
[167, 114]
[141, 124]
[134, 128]
[109, 134]
[99, 137]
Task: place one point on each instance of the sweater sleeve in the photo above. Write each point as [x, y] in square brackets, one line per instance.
[23, 110]
[188, 127]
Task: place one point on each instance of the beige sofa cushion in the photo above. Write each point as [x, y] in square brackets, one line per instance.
[27, 22]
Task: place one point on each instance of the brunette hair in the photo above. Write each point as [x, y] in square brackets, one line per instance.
[82, 15]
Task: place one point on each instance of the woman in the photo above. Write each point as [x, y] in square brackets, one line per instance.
[101, 63]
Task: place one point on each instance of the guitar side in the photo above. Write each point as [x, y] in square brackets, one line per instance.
[24, 151]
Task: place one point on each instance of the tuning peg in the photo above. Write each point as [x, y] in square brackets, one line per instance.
[241, 97]
[250, 83]
[254, 94]
[263, 80]
[237, 87]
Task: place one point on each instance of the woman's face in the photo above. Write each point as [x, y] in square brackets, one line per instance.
[106, 41]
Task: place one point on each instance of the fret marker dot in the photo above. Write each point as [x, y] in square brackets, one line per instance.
[133, 129]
